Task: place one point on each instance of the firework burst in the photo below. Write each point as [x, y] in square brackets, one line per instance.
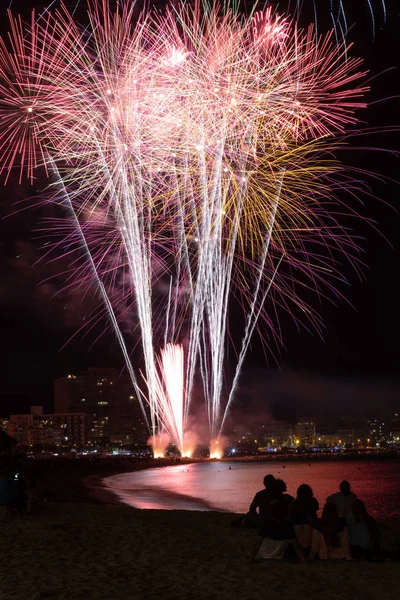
[196, 146]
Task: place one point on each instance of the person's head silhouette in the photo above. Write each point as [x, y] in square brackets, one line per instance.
[345, 488]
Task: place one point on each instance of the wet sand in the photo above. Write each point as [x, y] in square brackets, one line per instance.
[79, 481]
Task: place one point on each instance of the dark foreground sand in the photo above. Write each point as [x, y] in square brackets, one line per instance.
[79, 551]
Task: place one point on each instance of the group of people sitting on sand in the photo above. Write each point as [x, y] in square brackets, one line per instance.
[289, 527]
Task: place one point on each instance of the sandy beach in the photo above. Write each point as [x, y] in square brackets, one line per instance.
[77, 551]
[89, 546]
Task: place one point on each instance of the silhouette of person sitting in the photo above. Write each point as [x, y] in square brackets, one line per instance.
[261, 502]
[330, 539]
[279, 490]
[276, 536]
[309, 504]
[303, 529]
[343, 500]
[363, 532]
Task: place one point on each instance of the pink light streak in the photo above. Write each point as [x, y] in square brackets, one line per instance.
[195, 145]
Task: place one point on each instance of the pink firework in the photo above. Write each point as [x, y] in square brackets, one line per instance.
[192, 152]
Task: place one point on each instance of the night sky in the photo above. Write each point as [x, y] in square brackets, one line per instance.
[360, 346]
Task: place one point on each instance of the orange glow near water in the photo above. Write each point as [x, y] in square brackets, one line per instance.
[187, 453]
[159, 443]
[216, 450]
[216, 455]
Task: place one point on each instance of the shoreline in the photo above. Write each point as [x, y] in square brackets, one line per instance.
[177, 489]
[84, 483]
[72, 481]
[89, 545]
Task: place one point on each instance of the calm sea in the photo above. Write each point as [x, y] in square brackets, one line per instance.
[230, 486]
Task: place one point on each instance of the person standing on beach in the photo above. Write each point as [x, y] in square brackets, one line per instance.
[343, 500]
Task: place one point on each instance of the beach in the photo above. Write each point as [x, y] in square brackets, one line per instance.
[87, 550]
[87, 545]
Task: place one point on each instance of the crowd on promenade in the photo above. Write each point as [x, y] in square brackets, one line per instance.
[289, 527]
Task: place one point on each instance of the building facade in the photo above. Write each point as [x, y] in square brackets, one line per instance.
[39, 429]
[112, 412]
[305, 431]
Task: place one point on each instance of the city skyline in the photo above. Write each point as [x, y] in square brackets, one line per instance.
[84, 430]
